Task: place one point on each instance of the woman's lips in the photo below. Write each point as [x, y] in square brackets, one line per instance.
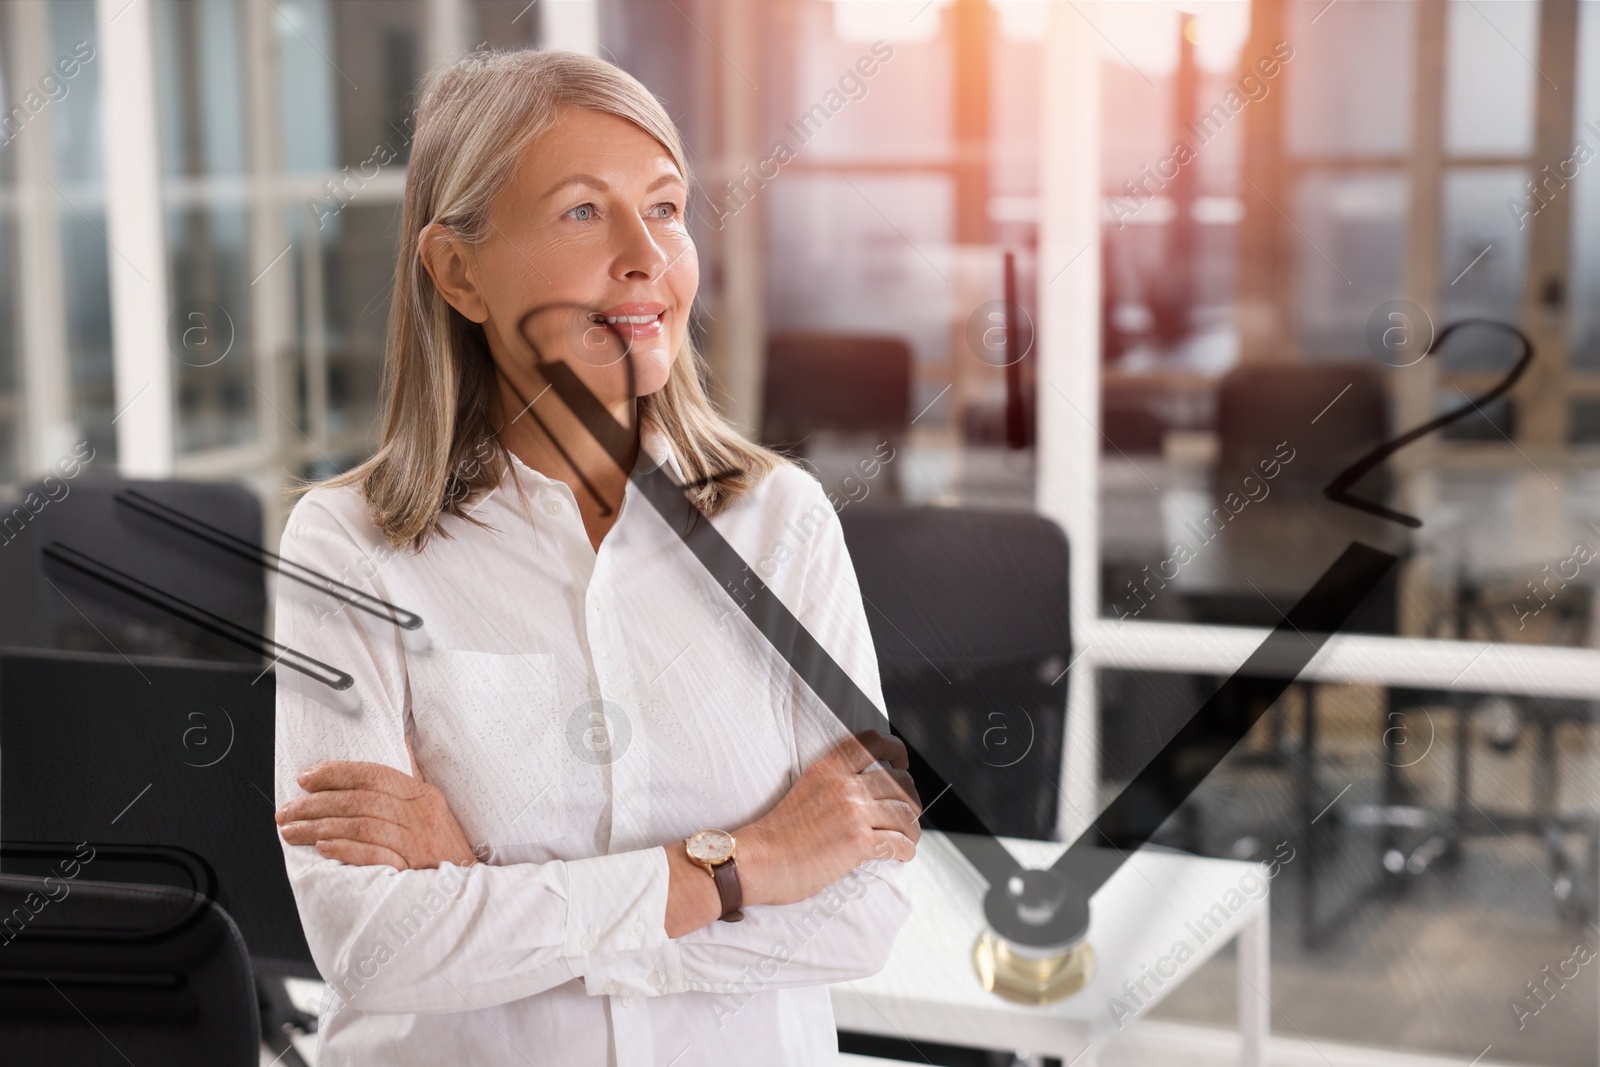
[633, 322]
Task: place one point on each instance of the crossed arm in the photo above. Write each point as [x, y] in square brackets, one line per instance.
[845, 810]
[402, 917]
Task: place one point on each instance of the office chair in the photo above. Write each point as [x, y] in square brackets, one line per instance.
[128, 751]
[106, 973]
[1130, 421]
[1439, 835]
[969, 615]
[841, 384]
[1502, 721]
[55, 606]
[1332, 413]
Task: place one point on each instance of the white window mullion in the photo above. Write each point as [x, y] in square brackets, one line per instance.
[570, 25]
[272, 262]
[136, 240]
[1068, 489]
[46, 369]
[1556, 671]
[448, 31]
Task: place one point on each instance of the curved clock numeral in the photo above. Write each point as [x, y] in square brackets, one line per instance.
[1338, 490]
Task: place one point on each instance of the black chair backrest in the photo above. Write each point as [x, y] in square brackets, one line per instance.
[52, 606]
[821, 381]
[139, 751]
[969, 616]
[107, 973]
[1260, 406]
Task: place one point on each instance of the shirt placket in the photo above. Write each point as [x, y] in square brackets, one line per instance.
[627, 766]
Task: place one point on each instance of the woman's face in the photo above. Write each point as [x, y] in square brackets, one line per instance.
[588, 260]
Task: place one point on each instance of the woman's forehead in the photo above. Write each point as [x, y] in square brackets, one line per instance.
[587, 143]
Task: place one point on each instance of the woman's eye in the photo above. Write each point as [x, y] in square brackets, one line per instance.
[664, 210]
[582, 213]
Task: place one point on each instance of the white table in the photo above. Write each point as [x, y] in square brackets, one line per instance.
[930, 991]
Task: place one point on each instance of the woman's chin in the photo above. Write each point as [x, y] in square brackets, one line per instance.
[652, 367]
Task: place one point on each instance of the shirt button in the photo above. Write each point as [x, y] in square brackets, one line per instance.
[627, 1000]
[610, 987]
[657, 979]
[636, 929]
[589, 942]
[552, 507]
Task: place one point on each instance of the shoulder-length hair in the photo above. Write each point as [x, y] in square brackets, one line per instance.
[440, 448]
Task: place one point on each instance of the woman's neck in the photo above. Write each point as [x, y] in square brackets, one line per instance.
[542, 432]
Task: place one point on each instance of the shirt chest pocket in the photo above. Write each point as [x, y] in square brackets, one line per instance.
[491, 735]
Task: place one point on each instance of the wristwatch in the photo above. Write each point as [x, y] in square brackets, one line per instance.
[714, 851]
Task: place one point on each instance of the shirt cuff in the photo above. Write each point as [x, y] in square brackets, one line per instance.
[617, 904]
[652, 973]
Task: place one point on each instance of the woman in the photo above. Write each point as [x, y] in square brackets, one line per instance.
[584, 705]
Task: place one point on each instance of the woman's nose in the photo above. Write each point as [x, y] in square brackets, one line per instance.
[639, 255]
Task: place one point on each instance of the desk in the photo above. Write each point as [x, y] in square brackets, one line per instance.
[929, 990]
[1490, 526]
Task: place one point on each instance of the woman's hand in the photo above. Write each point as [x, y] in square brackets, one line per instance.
[366, 814]
[833, 819]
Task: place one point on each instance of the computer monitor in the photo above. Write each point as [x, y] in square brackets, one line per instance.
[145, 751]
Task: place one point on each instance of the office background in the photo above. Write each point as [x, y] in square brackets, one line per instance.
[1232, 225]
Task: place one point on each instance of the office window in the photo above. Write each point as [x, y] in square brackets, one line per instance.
[1489, 78]
[205, 166]
[341, 218]
[344, 280]
[1351, 258]
[1483, 261]
[914, 174]
[80, 205]
[1331, 113]
[504, 24]
[308, 85]
[378, 55]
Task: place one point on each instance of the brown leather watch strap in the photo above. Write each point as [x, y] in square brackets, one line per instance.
[726, 875]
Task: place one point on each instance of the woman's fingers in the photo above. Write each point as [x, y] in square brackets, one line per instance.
[354, 774]
[360, 854]
[897, 815]
[334, 803]
[893, 785]
[897, 805]
[369, 831]
[897, 845]
[894, 750]
[395, 818]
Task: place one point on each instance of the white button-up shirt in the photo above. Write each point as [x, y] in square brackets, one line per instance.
[580, 710]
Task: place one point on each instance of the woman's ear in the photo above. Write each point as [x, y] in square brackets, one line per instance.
[444, 256]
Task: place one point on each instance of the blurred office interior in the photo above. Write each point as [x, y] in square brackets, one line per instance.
[1106, 262]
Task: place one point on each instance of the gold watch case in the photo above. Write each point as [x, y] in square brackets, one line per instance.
[710, 848]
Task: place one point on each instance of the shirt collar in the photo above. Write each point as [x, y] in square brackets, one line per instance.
[654, 447]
